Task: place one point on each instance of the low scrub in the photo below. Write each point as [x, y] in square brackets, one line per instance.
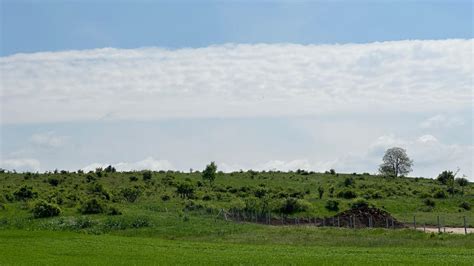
[93, 206]
[43, 209]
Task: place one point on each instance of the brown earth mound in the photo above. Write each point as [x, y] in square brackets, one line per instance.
[360, 217]
[365, 217]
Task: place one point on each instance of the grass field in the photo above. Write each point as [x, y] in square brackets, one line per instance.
[60, 248]
[146, 218]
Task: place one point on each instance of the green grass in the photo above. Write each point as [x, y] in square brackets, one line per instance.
[65, 248]
[154, 230]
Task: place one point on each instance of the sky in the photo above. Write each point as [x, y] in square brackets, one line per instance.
[249, 84]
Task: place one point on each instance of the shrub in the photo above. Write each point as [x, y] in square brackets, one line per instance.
[133, 178]
[347, 194]
[131, 194]
[147, 175]
[165, 197]
[83, 222]
[349, 181]
[43, 209]
[206, 197]
[90, 178]
[92, 206]
[260, 192]
[185, 189]
[99, 190]
[114, 211]
[292, 205]
[24, 193]
[140, 222]
[332, 205]
[440, 195]
[53, 181]
[465, 205]
[429, 202]
[359, 203]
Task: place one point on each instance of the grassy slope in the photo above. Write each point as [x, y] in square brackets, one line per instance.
[402, 197]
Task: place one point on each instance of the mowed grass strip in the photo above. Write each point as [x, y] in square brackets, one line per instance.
[66, 248]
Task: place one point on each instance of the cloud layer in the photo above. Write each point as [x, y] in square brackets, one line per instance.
[236, 81]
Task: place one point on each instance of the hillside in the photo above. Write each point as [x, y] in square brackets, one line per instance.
[106, 193]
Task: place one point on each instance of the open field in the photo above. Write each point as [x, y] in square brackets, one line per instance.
[148, 218]
[60, 248]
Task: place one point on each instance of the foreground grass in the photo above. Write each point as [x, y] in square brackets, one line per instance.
[65, 248]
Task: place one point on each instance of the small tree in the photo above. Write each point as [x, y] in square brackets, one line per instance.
[448, 178]
[462, 182]
[320, 192]
[396, 162]
[445, 177]
[209, 173]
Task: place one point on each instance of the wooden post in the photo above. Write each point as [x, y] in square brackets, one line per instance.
[354, 223]
[465, 225]
[424, 227]
[393, 226]
[338, 222]
[414, 222]
[439, 226]
[324, 221]
[333, 223]
[386, 222]
[350, 221]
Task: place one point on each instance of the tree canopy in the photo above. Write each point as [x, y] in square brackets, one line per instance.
[396, 162]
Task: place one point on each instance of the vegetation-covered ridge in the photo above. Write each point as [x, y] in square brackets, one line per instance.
[135, 198]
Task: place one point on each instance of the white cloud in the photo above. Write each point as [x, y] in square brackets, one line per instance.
[48, 140]
[236, 80]
[21, 164]
[442, 121]
[147, 164]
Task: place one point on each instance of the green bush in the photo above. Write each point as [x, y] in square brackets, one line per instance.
[429, 202]
[185, 189]
[465, 205]
[359, 203]
[53, 181]
[92, 206]
[131, 194]
[147, 175]
[43, 209]
[292, 205]
[347, 194]
[114, 211]
[99, 190]
[332, 205]
[25, 193]
[439, 194]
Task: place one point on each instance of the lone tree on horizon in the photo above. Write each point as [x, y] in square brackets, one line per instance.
[395, 162]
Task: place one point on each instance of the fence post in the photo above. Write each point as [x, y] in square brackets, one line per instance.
[414, 222]
[354, 223]
[386, 222]
[444, 226]
[439, 226]
[424, 227]
[393, 226]
[324, 221]
[465, 225]
[338, 222]
[350, 221]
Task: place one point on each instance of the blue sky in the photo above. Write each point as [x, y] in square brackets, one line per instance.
[32, 26]
[252, 85]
